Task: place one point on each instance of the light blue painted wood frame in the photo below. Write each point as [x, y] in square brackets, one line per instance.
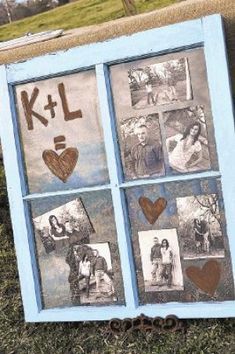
[206, 32]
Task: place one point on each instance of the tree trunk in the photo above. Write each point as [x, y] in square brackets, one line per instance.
[129, 7]
[7, 7]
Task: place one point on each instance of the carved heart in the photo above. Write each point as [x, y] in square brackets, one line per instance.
[62, 165]
[207, 278]
[152, 210]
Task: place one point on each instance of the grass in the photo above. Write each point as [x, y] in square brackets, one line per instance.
[76, 14]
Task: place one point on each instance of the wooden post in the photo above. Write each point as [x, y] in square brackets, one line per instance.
[129, 7]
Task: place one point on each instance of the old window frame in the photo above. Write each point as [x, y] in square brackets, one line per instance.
[207, 33]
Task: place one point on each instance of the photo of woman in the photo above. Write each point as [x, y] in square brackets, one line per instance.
[57, 232]
[85, 272]
[187, 142]
[187, 149]
[167, 263]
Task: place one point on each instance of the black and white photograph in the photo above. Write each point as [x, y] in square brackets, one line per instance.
[186, 140]
[160, 257]
[200, 226]
[91, 273]
[160, 83]
[141, 147]
[63, 226]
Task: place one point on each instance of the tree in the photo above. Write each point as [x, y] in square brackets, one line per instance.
[8, 10]
[209, 205]
[129, 7]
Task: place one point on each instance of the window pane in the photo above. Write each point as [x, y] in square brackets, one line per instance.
[61, 133]
[155, 100]
[77, 251]
[180, 243]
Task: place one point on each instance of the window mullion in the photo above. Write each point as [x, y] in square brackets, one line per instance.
[66, 192]
[128, 273]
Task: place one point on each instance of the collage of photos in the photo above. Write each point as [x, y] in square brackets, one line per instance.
[78, 258]
[163, 116]
[189, 233]
[178, 229]
[184, 148]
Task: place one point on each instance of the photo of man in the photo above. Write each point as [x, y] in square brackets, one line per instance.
[100, 269]
[141, 147]
[75, 234]
[156, 259]
[146, 155]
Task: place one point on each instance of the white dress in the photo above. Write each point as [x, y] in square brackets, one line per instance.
[179, 157]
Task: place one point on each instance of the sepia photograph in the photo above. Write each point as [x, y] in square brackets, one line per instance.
[160, 258]
[200, 226]
[91, 274]
[141, 147]
[65, 225]
[160, 83]
[186, 140]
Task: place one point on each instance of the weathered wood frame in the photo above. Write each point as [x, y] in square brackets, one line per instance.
[207, 33]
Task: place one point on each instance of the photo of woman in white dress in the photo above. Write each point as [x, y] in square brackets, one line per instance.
[185, 150]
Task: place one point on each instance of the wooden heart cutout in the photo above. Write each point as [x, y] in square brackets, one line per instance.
[62, 165]
[207, 278]
[151, 210]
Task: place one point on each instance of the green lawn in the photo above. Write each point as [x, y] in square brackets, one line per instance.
[77, 14]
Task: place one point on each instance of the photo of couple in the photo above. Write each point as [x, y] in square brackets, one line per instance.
[70, 225]
[200, 226]
[90, 275]
[160, 257]
[184, 149]
[160, 83]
